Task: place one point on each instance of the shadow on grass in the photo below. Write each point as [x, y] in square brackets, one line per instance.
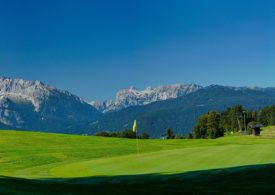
[254, 179]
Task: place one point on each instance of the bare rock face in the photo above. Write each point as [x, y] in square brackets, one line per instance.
[33, 104]
[19, 89]
[133, 97]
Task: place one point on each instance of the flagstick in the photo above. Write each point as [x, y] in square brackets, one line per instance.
[135, 130]
[137, 144]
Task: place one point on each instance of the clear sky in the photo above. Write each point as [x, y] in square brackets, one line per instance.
[93, 48]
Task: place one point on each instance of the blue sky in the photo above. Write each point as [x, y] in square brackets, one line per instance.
[94, 48]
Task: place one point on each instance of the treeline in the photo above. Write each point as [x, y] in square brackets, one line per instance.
[132, 135]
[123, 134]
[214, 124]
[234, 119]
[171, 135]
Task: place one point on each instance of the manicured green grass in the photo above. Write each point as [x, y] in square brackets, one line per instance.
[29, 150]
[58, 157]
[258, 179]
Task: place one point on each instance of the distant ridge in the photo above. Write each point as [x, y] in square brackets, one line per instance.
[133, 97]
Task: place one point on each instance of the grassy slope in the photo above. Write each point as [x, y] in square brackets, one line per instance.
[22, 150]
[40, 155]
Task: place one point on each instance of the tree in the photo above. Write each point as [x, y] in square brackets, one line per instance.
[127, 134]
[170, 134]
[107, 134]
[232, 119]
[213, 127]
[145, 135]
[200, 129]
[190, 136]
[266, 116]
[208, 126]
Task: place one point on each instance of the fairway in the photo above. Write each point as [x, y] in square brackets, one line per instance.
[58, 156]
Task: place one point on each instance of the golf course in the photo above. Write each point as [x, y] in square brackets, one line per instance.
[45, 162]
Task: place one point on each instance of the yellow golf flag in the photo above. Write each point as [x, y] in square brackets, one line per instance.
[135, 126]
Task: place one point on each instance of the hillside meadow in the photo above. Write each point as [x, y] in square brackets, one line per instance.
[47, 162]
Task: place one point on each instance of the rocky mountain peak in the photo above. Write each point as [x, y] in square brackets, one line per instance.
[20, 89]
[33, 91]
[35, 105]
[133, 97]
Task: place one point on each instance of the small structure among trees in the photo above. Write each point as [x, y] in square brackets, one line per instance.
[256, 128]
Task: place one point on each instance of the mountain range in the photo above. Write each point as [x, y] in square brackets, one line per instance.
[133, 97]
[181, 113]
[33, 105]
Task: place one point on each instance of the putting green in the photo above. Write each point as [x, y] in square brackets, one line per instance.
[171, 161]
